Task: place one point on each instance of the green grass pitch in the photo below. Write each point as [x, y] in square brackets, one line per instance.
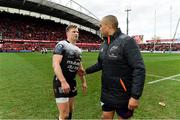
[26, 88]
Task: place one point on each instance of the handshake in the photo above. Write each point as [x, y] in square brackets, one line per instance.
[81, 72]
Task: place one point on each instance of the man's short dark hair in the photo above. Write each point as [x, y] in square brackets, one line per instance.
[111, 19]
[70, 27]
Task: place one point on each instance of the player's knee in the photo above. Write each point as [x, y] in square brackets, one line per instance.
[64, 114]
[105, 116]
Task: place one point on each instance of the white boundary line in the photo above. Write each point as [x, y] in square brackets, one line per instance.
[161, 77]
[164, 78]
[155, 75]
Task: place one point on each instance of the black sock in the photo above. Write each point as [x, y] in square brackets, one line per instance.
[70, 116]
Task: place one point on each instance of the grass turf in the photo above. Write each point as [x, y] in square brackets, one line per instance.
[26, 88]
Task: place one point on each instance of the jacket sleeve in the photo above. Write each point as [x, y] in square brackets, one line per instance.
[135, 61]
[96, 67]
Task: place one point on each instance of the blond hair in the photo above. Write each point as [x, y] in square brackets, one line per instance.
[70, 27]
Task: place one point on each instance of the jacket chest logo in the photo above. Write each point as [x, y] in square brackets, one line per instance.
[113, 52]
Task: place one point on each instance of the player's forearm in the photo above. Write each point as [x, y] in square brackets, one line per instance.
[83, 79]
[59, 74]
[81, 66]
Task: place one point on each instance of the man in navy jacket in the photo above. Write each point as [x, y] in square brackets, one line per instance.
[123, 71]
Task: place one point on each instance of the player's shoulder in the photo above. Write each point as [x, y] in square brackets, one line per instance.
[63, 42]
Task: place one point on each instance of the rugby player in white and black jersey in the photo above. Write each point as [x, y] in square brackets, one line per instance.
[66, 63]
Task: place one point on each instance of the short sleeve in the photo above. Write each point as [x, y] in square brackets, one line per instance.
[59, 49]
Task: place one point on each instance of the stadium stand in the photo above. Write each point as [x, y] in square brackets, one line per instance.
[160, 47]
[21, 32]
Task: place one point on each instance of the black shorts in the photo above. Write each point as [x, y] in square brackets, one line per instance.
[58, 92]
[123, 112]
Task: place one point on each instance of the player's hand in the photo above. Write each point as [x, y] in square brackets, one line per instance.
[133, 103]
[84, 87]
[81, 72]
[65, 87]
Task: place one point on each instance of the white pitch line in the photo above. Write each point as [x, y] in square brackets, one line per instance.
[165, 78]
[155, 75]
[174, 79]
[161, 76]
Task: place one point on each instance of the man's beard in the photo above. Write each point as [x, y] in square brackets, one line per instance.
[76, 38]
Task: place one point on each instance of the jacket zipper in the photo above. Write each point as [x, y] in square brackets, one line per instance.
[108, 44]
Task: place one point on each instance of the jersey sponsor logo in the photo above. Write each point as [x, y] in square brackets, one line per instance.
[74, 90]
[58, 48]
[73, 65]
[73, 54]
[72, 68]
[73, 62]
[60, 90]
